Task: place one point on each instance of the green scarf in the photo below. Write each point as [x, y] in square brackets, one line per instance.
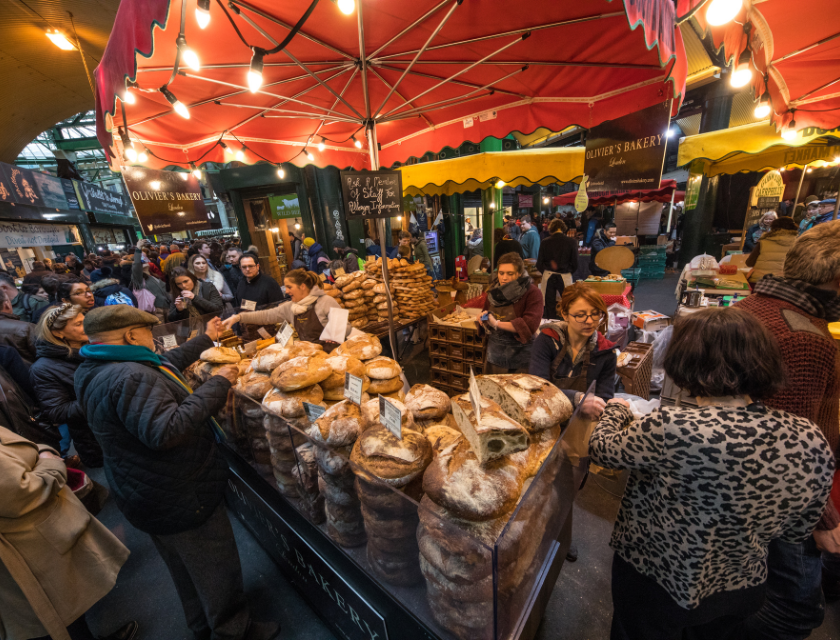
[120, 353]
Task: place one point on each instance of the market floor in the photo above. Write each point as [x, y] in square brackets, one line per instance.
[580, 607]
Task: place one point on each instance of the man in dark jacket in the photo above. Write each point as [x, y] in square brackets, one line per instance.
[603, 239]
[558, 255]
[104, 285]
[162, 462]
[15, 333]
[24, 304]
[255, 291]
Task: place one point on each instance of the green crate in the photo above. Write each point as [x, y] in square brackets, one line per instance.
[653, 248]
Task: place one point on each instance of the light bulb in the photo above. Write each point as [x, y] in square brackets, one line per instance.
[837, 159]
[280, 173]
[722, 11]
[809, 170]
[399, 218]
[181, 109]
[196, 173]
[781, 169]
[762, 109]
[321, 146]
[297, 225]
[155, 184]
[128, 97]
[255, 71]
[492, 204]
[789, 134]
[184, 176]
[275, 229]
[255, 81]
[202, 13]
[357, 143]
[240, 155]
[740, 76]
[131, 154]
[227, 149]
[142, 157]
[545, 200]
[60, 41]
[309, 155]
[500, 184]
[346, 6]
[190, 58]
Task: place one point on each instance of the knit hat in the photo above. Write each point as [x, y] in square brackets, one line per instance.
[118, 316]
[339, 244]
[308, 242]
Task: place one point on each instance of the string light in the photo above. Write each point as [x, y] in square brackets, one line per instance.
[190, 58]
[180, 107]
[184, 176]
[356, 143]
[500, 184]
[129, 97]
[346, 6]
[202, 13]
[762, 109]
[722, 11]
[195, 171]
[240, 155]
[225, 148]
[781, 169]
[545, 200]
[60, 40]
[790, 132]
[255, 78]
[740, 76]
[297, 225]
[322, 145]
[155, 184]
[280, 173]
[308, 154]
[142, 157]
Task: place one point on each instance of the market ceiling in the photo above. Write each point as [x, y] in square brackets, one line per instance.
[42, 84]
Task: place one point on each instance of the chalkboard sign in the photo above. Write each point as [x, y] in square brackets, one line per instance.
[371, 194]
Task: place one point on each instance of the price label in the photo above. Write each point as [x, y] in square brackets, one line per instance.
[353, 389]
[454, 294]
[390, 416]
[249, 305]
[265, 334]
[340, 272]
[313, 411]
[169, 342]
[323, 277]
[475, 397]
[285, 334]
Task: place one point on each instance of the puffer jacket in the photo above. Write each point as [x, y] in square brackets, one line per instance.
[773, 247]
[161, 457]
[18, 334]
[52, 378]
[104, 288]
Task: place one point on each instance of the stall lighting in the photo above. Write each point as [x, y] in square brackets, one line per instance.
[190, 58]
[131, 154]
[722, 11]
[181, 213]
[255, 77]
[762, 109]
[240, 155]
[790, 132]
[128, 97]
[322, 145]
[297, 225]
[227, 150]
[346, 6]
[184, 176]
[180, 107]
[545, 200]
[399, 218]
[142, 157]
[309, 155]
[195, 171]
[275, 229]
[781, 169]
[492, 204]
[809, 170]
[60, 40]
[202, 13]
[280, 173]
[500, 184]
[740, 76]
[357, 143]
[155, 184]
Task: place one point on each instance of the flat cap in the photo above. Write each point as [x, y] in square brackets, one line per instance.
[117, 316]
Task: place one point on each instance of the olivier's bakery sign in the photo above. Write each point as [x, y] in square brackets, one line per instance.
[167, 201]
[627, 153]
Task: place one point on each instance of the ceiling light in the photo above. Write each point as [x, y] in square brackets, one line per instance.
[255, 78]
[346, 6]
[240, 155]
[722, 11]
[195, 171]
[128, 97]
[202, 13]
[356, 143]
[790, 132]
[545, 200]
[275, 229]
[500, 184]
[131, 154]
[190, 58]
[762, 109]
[740, 76]
[322, 145]
[60, 40]
[226, 148]
[155, 184]
[280, 173]
[297, 225]
[180, 107]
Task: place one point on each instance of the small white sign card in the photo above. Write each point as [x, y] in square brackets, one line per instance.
[475, 397]
[313, 411]
[336, 328]
[249, 305]
[169, 342]
[353, 389]
[265, 334]
[284, 334]
[390, 416]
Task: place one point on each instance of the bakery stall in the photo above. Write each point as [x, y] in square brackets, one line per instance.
[397, 511]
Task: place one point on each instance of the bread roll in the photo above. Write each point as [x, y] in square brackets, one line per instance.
[299, 373]
[220, 355]
[339, 426]
[427, 403]
[343, 281]
[371, 411]
[534, 403]
[254, 385]
[495, 436]
[382, 368]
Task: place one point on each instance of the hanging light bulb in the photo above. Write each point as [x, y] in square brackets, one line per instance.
[399, 218]
[356, 143]
[155, 184]
[308, 154]
[346, 6]
[297, 225]
[227, 150]
[190, 58]
[722, 11]
[280, 173]
[740, 76]
[255, 78]
[180, 107]
[184, 175]
[545, 200]
[240, 155]
[129, 97]
[322, 145]
[142, 157]
[492, 204]
[202, 13]
[131, 154]
[500, 184]
[790, 132]
[195, 171]
[60, 40]
[762, 109]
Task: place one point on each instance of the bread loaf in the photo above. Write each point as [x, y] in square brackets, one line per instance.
[273, 356]
[341, 365]
[396, 462]
[254, 385]
[289, 404]
[299, 373]
[390, 385]
[363, 347]
[220, 355]
[427, 403]
[339, 426]
[534, 403]
[495, 436]
[371, 411]
[382, 368]
[344, 280]
[441, 437]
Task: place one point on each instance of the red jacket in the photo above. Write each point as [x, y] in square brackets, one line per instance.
[529, 310]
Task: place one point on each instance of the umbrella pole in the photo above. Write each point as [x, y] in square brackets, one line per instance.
[671, 211]
[799, 188]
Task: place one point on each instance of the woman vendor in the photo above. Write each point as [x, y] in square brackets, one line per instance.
[513, 309]
[572, 354]
[307, 311]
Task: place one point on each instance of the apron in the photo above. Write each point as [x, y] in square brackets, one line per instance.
[546, 276]
[309, 328]
[570, 383]
[503, 349]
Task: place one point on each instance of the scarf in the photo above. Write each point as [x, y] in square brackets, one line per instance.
[562, 329]
[303, 305]
[812, 300]
[503, 295]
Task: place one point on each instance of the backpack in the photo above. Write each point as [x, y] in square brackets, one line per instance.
[118, 298]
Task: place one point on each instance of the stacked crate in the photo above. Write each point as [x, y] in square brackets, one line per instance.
[453, 351]
[651, 261]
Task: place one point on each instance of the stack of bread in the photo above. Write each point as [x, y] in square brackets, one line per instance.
[386, 468]
[473, 485]
[413, 287]
[334, 385]
[355, 292]
[306, 476]
[385, 378]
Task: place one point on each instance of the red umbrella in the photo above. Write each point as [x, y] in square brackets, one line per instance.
[793, 51]
[662, 194]
[413, 76]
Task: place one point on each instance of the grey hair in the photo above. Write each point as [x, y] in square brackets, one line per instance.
[815, 256]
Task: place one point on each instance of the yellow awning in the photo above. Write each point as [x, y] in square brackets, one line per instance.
[757, 147]
[483, 170]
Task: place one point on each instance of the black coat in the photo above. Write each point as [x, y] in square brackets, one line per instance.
[233, 277]
[507, 246]
[52, 378]
[558, 253]
[161, 457]
[599, 242]
[262, 290]
[207, 300]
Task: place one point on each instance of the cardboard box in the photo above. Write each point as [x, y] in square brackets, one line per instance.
[650, 320]
[608, 288]
[631, 241]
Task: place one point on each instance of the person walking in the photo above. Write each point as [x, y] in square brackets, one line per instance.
[558, 258]
[796, 308]
[530, 240]
[711, 488]
[108, 291]
[421, 252]
[162, 462]
[24, 305]
[316, 258]
[231, 271]
[149, 287]
[348, 255]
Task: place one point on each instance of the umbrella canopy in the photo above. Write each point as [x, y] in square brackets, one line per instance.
[793, 51]
[662, 194]
[412, 76]
[484, 170]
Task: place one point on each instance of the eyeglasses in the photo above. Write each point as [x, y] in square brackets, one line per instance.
[583, 317]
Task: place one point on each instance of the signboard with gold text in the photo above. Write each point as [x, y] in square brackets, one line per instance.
[167, 201]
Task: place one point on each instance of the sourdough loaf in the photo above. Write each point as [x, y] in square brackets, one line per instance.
[341, 365]
[495, 436]
[427, 403]
[534, 403]
[363, 347]
[382, 368]
[300, 372]
[220, 355]
[289, 404]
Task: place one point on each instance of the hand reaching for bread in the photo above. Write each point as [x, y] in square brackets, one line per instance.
[227, 324]
[229, 371]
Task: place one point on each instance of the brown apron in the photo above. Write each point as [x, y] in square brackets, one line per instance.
[503, 349]
[309, 328]
[570, 382]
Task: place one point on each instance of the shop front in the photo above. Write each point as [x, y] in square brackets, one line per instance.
[24, 242]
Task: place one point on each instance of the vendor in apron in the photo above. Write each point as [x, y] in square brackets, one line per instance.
[512, 313]
[557, 260]
[307, 311]
[573, 354]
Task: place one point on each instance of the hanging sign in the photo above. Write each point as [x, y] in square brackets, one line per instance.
[284, 206]
[582, 199]
[70, 194]
[284, 334]
[51, 190]
[21, 186]
[101, 200]
[22, 234]
[167, 201]
[526, 200]
[371, 194]
[628, 153]
[768, 192]
[390, 416]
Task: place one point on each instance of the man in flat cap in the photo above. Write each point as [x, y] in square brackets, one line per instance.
[163, 464]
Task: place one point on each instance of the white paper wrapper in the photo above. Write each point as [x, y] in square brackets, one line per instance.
[336, 329]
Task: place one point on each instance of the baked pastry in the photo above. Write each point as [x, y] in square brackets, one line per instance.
[427, 403]
[441, 437]
[533, 402]
[496, 435]
[390, 459]
[382, 368]
[390, 385]
[220, 355]
[254, 385]
[339, 426]
[300, 372]
[363, 347]
[341, 365]
[289, 404]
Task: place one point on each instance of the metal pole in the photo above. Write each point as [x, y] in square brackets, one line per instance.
[799, 188]
[836, 203]
[671, 211]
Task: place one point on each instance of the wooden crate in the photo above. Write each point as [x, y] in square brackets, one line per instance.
[635, 374]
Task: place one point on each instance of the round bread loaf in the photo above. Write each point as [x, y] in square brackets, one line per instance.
[534, 403]
[343, 281]
[244, 366]
[360, 322]
[371, 411]
[356, 293]
[289, 404]
[382, 368]
[274, 355]
[220, 355]
[441, 437]
[254, 385]
[363, 347]
[341, 365]
[427, 403]
[385, 525]
[390, 385]
[397, 395]
[396, 462]
[337, 393]
[339, 426]
[299, 373]
[368, 283]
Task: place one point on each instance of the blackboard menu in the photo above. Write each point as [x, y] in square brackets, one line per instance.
[371, 194]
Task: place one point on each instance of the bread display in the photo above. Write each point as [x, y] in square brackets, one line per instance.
[289, 404]
[382, 368]
[534, 403]
[427, 403]
[363, 347]
[495, 435]
[220, 355]
[274, 355]
[441, 436]
[341, 365]
[305, 474]
[300, 372]
[411, 288]
[391, 385]
[254, 385]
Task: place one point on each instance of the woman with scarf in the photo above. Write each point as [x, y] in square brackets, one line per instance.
[513, 309]
[307, 311]
[755, 232]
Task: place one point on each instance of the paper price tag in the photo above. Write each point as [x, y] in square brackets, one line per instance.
[249, 305]
[323, 277]
[265, 334]
[284, 334]
[313, 411]
[353, 389]
[390, 417]
[340, 272]
[454, 294]
[475, 397]
[169, 342]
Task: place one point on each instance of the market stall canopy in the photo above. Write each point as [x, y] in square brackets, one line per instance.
[483, 170]
[757, 147]
[666, 190]
[419, 75]
[794, 55]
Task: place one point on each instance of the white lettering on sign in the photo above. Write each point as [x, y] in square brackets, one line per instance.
[353, 388]
[17, 234]
[390, 416]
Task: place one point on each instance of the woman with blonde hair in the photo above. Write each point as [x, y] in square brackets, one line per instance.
[59, 336]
